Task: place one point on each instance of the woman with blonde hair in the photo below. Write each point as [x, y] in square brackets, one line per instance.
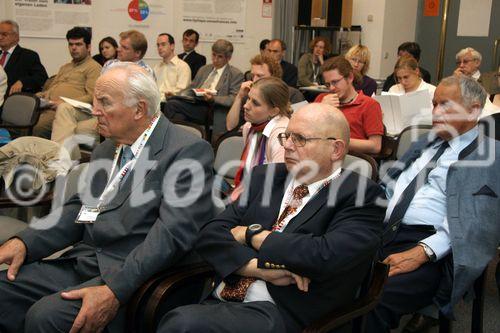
[309, 68]
[359, 57]
[408, 77]
[267, 112]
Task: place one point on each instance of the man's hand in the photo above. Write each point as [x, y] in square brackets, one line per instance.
[13, 252]
[458, 72]
[209, 97]
[239, 234]
[168, 94]
[16, 87]
[244, 89]
[99, 307]
[407, 261]
[278, 277]
[331, 99]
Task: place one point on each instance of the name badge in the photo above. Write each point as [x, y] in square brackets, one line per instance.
[87, 214]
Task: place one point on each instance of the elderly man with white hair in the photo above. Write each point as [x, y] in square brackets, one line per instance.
[147, 193]
[468, 63]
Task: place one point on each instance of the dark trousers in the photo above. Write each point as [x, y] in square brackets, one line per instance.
[219, 317]
[176, 109]
[33, 302]
[405, 293]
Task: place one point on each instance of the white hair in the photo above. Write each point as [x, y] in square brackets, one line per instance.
[140, 85]
[471, 91]
[13, 24]
[475, 54]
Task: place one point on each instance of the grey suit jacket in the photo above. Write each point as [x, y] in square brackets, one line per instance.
[473, 207]
[144, 228]
[227, 87]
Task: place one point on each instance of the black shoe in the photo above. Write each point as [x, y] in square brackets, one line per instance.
[420, 323]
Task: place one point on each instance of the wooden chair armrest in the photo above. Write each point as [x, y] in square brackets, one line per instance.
[165, 291]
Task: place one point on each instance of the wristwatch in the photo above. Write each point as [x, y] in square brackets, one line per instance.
[428, 251]
[252, 230]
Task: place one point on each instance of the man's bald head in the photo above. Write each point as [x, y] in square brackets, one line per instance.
[328, 120]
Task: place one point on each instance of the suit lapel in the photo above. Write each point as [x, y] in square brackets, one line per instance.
[223, 80]
[13, 59]
[309, 209]
[143, 165]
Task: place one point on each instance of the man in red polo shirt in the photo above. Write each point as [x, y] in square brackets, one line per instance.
[362, 112]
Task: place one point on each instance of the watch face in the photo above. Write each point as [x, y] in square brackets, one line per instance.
[254, 227]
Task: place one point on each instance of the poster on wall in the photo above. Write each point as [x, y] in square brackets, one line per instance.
[215, 19]
[51, 18]
[267, 8]
[474, 18]
[151, 17]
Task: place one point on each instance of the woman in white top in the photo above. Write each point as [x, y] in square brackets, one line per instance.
[3, 84]
[267, 112]
[408, 75]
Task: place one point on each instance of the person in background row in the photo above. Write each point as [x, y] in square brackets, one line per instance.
[276, 49]
[407, 48]
[261, 67]
[263, 45]
[25, 72]
[190, 39]
[107, 50]
[408, 77]
[267, 112]
[363, 113]
[309, 68]
[172, 74]
[359, 57]
[468, 63]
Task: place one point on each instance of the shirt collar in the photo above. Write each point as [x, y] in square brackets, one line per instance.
[317, 185]
[220, 70]
[357, 100]
[458, 143]
[476, 75]
[9, 51]
[175, 60]
[270, 126]
[81, 61]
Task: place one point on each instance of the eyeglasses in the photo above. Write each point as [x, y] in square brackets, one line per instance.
[297, 139]
[357, 61]
[464, 61]
[333, 82]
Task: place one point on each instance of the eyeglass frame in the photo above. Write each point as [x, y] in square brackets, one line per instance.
[464, 61]
[284, 136]
[335, 82]
[357, 60]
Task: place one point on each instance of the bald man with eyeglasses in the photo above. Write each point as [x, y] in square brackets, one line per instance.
[297, 244]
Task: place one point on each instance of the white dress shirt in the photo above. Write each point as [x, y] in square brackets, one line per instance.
[9, 53]
[216, 78]
[173, 76]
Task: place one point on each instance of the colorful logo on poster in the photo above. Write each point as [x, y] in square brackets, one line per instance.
[138, 10]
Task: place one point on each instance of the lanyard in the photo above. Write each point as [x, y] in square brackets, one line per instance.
[113, 182]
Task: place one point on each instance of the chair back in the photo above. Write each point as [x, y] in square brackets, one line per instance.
[409, 136]
[228, 148]
[363, 164]
[491, 125]
[21, 110]
[191, 128]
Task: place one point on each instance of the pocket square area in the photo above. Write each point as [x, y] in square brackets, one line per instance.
[486, 190]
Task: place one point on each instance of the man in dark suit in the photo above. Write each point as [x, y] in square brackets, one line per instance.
[219, 76]
[442, 216]
[276, 49]
[124, 228]
[297, 244]
[195, 60]
[22, 66]
[407, 48]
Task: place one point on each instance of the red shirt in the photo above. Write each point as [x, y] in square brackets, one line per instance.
[364, 116]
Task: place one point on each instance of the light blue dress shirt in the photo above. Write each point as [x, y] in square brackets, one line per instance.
[428, 206]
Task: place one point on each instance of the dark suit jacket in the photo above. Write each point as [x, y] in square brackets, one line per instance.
[332, 244]
[290, 73]
[473, 207]
[195, 62]
[25, 65]
[144, 228]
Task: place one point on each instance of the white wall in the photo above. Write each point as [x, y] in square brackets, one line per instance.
[53, 52]
[392, 22]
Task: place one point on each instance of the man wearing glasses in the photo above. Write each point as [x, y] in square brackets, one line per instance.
[468, 63]
[297, 244]
[363, 113]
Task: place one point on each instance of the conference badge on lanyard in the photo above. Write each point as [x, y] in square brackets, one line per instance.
[87, 214]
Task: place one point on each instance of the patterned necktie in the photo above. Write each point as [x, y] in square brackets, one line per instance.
[236, 292]
[127, 155]
[407, 195]
[210, 79]
[3, 58]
